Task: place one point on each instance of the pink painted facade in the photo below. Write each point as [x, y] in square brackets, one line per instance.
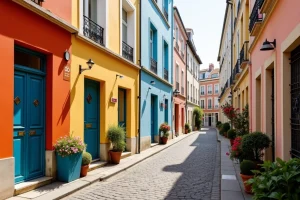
[209, 94]
[271, 75]
[179, 74]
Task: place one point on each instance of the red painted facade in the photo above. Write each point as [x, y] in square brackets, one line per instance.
[33, 32]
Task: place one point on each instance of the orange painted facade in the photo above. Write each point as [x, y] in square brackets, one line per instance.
[281, 21]
[33, 32]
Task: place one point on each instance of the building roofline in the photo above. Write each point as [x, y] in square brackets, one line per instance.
[191, 45]
[177, 11]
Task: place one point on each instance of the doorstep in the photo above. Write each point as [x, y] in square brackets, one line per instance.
[125, 154]
[96, 165]
[31, 185]
[153, 144]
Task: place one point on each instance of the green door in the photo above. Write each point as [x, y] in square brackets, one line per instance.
[122, 109]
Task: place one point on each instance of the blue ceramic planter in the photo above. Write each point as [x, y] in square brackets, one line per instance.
[68, 168]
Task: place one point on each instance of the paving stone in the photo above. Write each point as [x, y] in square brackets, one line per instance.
[185, 170]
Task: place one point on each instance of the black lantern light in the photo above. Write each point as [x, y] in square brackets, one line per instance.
[176, 92]
[268, 45]
[90, 63]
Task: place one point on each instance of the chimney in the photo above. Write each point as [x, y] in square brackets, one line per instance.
[211, 67]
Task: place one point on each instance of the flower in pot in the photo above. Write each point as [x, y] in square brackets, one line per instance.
[186, 128]
[231, 134]
[116, 135]
[68, 158]
[85, 163]
[253, 145]
[164, 130]
[246, 173]
[236, 152]
[225, 128]
[277, 180]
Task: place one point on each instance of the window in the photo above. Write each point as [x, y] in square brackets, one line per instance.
[202, 103]
[182, 82]
[214, 75]
[216, 103]
[209, 104]
[209, 89]
[124, 25]
[217, 89]
[176, 34]
[188, 83]
[202, 90]
[153, 49]
[151, 43]
[177, 77]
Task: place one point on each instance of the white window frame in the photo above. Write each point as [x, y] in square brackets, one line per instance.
[202, 99]
[102, 20]
[131, 28]
[216, 103]
[202, 86]
[211, 104]
[215, 88]
[151, 34]
[211, 92]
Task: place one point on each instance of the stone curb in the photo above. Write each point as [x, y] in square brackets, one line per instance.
[81, 183]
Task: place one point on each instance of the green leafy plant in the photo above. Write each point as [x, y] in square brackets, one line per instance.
[241, 122]
[218, 123]
[247, 166]
[198, 113]
[231, 134]
[68, 145]
[253, 145]
[165, 128]
[221, 130]
[226, 127]
[187, 126]
[116, 136]
[189, 130]
[278, 180]
[86, 158]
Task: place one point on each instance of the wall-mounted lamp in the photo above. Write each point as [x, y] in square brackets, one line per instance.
[90, 63]
[152, 82]
[176, 92]
[267, 45]
[117, 75]
[229, 96]
[149, 88]
[219, 99]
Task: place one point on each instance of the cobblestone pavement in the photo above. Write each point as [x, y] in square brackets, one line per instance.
[183, 171]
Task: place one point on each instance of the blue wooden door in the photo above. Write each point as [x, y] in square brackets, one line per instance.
[29, 119]
[152, 118]
[91, 117]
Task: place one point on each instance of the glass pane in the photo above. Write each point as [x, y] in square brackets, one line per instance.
[27, 60]
[124, 32]
[124, 15]
[121, 106]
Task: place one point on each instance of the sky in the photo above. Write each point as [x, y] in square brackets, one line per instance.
[205, 17]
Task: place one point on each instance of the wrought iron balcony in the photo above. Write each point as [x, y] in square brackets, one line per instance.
[166, 14]
[153, 67]
[202, 93]
[38, 1]
[244, 57]
[182, 90]
[236, 70]
[127, 51]
[238, 8]
[209, 107]
[177, 86]
[166, 74]
[92, 30]
[182, 54]
[255, 16]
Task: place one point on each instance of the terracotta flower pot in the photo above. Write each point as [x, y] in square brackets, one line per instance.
[186, 131]
[164, 140]
[84, 170]
[247, 187]
[115, 156]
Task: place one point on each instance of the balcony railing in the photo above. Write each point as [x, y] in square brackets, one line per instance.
[238, 8]
[166, 74]
[209, 107]
[127, 51]
[236, 70]
[244, 52]
[216, 91]
[209, 92]
[217, 106]
[182, 55]
[182, 90]
[202, 93]
[153, 67]
[177, 86]
[92, 30]
[166, 14]
[255, 16]
[225, 87]
[38, 1]
[176, 45]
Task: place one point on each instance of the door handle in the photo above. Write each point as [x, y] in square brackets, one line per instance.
[21, 133]
[89, 125]
[32, 132]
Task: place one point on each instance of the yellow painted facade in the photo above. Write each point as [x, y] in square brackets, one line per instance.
[108, 63]
[240, 88]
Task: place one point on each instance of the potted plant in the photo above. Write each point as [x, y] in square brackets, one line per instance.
[236, 151]
[246, 173]
[197, 113]
[164, 130]
[85, 163]
[225, 128]
[218, 124]
[116, 136]
[186, 128]
[231, 134]
[254, 144]
[68, 158]
[277, 180]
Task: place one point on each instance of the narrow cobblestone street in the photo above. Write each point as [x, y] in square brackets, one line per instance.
[186, 170]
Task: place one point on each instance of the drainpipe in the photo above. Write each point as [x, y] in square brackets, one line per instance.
[186, 86]
[140, 81]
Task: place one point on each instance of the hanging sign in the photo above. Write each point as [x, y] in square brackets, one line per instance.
[114, 100]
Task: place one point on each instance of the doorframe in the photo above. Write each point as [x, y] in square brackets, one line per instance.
[41, 73]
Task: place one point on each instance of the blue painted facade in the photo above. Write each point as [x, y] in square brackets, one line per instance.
[157, 30]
